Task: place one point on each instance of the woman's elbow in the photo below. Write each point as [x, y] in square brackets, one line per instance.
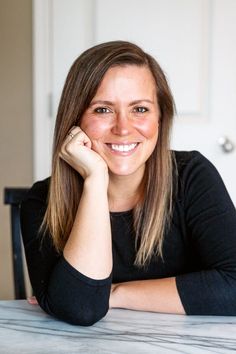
[75, 315]
[87, 318]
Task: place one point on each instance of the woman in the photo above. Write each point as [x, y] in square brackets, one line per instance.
[123, 221]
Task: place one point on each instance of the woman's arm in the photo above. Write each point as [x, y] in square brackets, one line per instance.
[60, 289]
[89, 246]
[74, 286]
[157, 295]
[210, 221]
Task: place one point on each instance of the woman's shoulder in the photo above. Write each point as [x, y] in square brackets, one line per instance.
[183, 158]
[38, 191]
[34, 205]
[197, 176]
[188, 162]
[195, 171]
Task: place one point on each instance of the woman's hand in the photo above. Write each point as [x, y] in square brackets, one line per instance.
[77, 152]
[32, 300]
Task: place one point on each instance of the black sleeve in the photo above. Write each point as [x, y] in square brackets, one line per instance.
[210, 217]
[60, 289]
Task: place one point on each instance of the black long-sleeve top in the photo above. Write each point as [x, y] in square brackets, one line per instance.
[199, 250]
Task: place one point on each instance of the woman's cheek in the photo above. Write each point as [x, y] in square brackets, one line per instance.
[94, 129]
[148, 128]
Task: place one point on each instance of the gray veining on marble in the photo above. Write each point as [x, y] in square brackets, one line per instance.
[27, 329]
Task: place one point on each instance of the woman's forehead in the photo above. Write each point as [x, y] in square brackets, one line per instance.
[129, 81]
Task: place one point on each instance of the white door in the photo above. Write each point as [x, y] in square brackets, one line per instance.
[193, 40]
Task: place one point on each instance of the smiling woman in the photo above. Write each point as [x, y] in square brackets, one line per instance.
[122, 121]
[123, 221]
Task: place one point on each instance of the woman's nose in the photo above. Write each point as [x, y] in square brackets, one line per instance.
[122, 125]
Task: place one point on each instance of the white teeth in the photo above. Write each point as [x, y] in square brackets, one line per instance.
[123, 148]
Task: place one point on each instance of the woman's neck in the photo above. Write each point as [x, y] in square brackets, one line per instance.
[124, 192]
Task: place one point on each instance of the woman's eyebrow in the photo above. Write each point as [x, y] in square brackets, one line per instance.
[140, 101]
[110, 103]
[101, 102]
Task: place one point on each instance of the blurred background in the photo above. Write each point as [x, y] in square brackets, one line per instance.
[193, 40]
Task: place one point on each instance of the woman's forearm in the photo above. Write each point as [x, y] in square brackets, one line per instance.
[89, 247]
[157, 295]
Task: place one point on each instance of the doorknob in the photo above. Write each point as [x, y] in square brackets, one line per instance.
[226, 144]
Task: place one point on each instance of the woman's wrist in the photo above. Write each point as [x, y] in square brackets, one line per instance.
[115, 298]
[98, 179]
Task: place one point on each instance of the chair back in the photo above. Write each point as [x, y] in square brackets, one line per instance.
[13, 197]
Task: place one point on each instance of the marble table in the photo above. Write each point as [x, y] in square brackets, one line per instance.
[27, 329]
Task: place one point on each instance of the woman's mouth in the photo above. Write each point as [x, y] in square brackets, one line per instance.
[123, 148]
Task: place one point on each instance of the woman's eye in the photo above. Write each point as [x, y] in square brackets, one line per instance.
[140, 109]
[102, 110]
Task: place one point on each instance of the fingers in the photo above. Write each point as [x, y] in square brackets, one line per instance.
[73, 131]
[32, 300]
[76, 150]
[75, 137]
[78, 153]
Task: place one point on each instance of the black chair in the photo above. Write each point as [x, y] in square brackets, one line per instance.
[13, 197]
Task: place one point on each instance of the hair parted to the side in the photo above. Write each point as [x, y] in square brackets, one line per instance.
[153, 212]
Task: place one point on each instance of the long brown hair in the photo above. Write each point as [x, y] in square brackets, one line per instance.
[152, 214]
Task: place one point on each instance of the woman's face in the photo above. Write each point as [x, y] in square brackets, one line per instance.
[122, 119]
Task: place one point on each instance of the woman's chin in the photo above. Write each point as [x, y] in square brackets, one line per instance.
[124, 170]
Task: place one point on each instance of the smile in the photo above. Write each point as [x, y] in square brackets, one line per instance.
[122, 147]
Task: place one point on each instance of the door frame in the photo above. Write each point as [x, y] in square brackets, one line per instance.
[43, 100]
[42, 83]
